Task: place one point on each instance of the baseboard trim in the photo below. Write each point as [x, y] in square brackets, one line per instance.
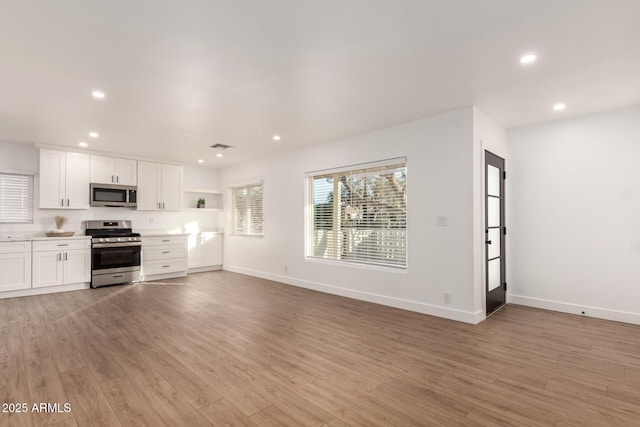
[42, 291]
[204, 269]
[419, 307]
[583, 310]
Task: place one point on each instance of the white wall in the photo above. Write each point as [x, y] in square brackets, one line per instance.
[440, 156]
[24, 158]
[573, 201]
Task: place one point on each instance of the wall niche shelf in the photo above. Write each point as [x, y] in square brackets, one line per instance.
[191, 196]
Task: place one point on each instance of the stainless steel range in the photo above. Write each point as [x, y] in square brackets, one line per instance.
[115, 252]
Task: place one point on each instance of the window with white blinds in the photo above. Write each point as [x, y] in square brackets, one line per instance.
[359, 214]
[246, 210]
[16, 198]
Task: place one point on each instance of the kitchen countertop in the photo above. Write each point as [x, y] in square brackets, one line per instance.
[11, 238]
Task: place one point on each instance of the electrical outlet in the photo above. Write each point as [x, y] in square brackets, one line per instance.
[447, 297]
[286, 270]
[441, 221]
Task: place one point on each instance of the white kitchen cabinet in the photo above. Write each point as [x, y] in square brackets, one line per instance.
[61, 262]
[205, 251]
[15, 265]
[112, 170]
[159, 186]
[164, 257]
[64, 180]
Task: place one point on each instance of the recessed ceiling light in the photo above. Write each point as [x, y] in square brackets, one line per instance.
[83, 144]
[276, 137]
[200, 161]
[93, 134]
[559, 107]
[527, 59]
[219, 155]
[98, 94]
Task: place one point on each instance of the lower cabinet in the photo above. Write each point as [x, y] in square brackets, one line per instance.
[164, 257]
[60, 262]
[205, 250]
[15, 266]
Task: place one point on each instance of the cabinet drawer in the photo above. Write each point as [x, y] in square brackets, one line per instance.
[61, 245]
[161, 241]
[164, 266]
[164, 252]
[14, 247]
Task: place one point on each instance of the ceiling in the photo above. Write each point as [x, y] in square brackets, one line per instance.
[182, 75]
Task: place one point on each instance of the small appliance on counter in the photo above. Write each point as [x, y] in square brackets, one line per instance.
[115, 252]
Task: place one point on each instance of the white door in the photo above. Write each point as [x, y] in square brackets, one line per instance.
[171, 187]
[211, 248]
[126, 172]
[16, 271]
[47, 269]
[149, 178]
[102, 170]
[52, 179]
[77, 182]
[77, 266]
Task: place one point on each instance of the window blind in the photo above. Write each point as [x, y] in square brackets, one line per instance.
[359, 215]
[246, 210]
[16, 198]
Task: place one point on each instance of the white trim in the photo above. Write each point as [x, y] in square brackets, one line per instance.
[364, 165]
[42, 291]
[565, 307]
[419, 307]
[204, 269]
[162, 276]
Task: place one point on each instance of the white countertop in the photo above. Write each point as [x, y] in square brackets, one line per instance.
[23, 238]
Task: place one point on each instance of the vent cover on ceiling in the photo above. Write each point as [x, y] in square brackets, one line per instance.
[221, 146]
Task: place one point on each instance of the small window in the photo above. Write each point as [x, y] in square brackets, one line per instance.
[16, 199]
[358, 214]
[246, 210]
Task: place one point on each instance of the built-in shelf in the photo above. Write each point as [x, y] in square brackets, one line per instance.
[191, 196]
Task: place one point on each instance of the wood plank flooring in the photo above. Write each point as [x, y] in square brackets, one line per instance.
[223, 349]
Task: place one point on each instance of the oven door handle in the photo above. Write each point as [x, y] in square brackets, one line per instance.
[116, 245]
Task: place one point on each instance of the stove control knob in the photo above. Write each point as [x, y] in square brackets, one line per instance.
[130, 239]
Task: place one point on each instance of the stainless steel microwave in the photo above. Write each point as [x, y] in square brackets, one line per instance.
[113, 195]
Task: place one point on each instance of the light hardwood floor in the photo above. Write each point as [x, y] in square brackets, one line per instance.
[225, 349]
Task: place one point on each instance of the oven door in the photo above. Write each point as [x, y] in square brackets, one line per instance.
[110, 256]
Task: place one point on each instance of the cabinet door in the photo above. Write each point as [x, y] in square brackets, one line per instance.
[16, 271]
[126, 172]
[171, 187]
[211, 248]
[52, 179]
[102, 170]
[77, 181]
[195, 251]
[77, 266]
[47, 269]
[149, 178]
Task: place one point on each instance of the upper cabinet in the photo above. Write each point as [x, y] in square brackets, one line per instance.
[111, 170]
[64, 180]
[159, 186]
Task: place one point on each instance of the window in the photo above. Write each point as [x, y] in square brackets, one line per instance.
[16, 198]
[358, 214]
[246, 210]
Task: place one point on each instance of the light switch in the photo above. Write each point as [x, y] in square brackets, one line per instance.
[441, 221]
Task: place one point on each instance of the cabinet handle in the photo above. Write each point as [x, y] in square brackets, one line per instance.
[159, 205]
[166, 266]
[164, 241]
[66, 256]
[117, 179]
[118, 275]
[111, 178]
[166, 252]
[61, 202]
[162, 205]
[59, 256]
[67, 202]
[63, 244]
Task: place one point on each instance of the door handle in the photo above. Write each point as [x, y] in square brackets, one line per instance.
[488, 242]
